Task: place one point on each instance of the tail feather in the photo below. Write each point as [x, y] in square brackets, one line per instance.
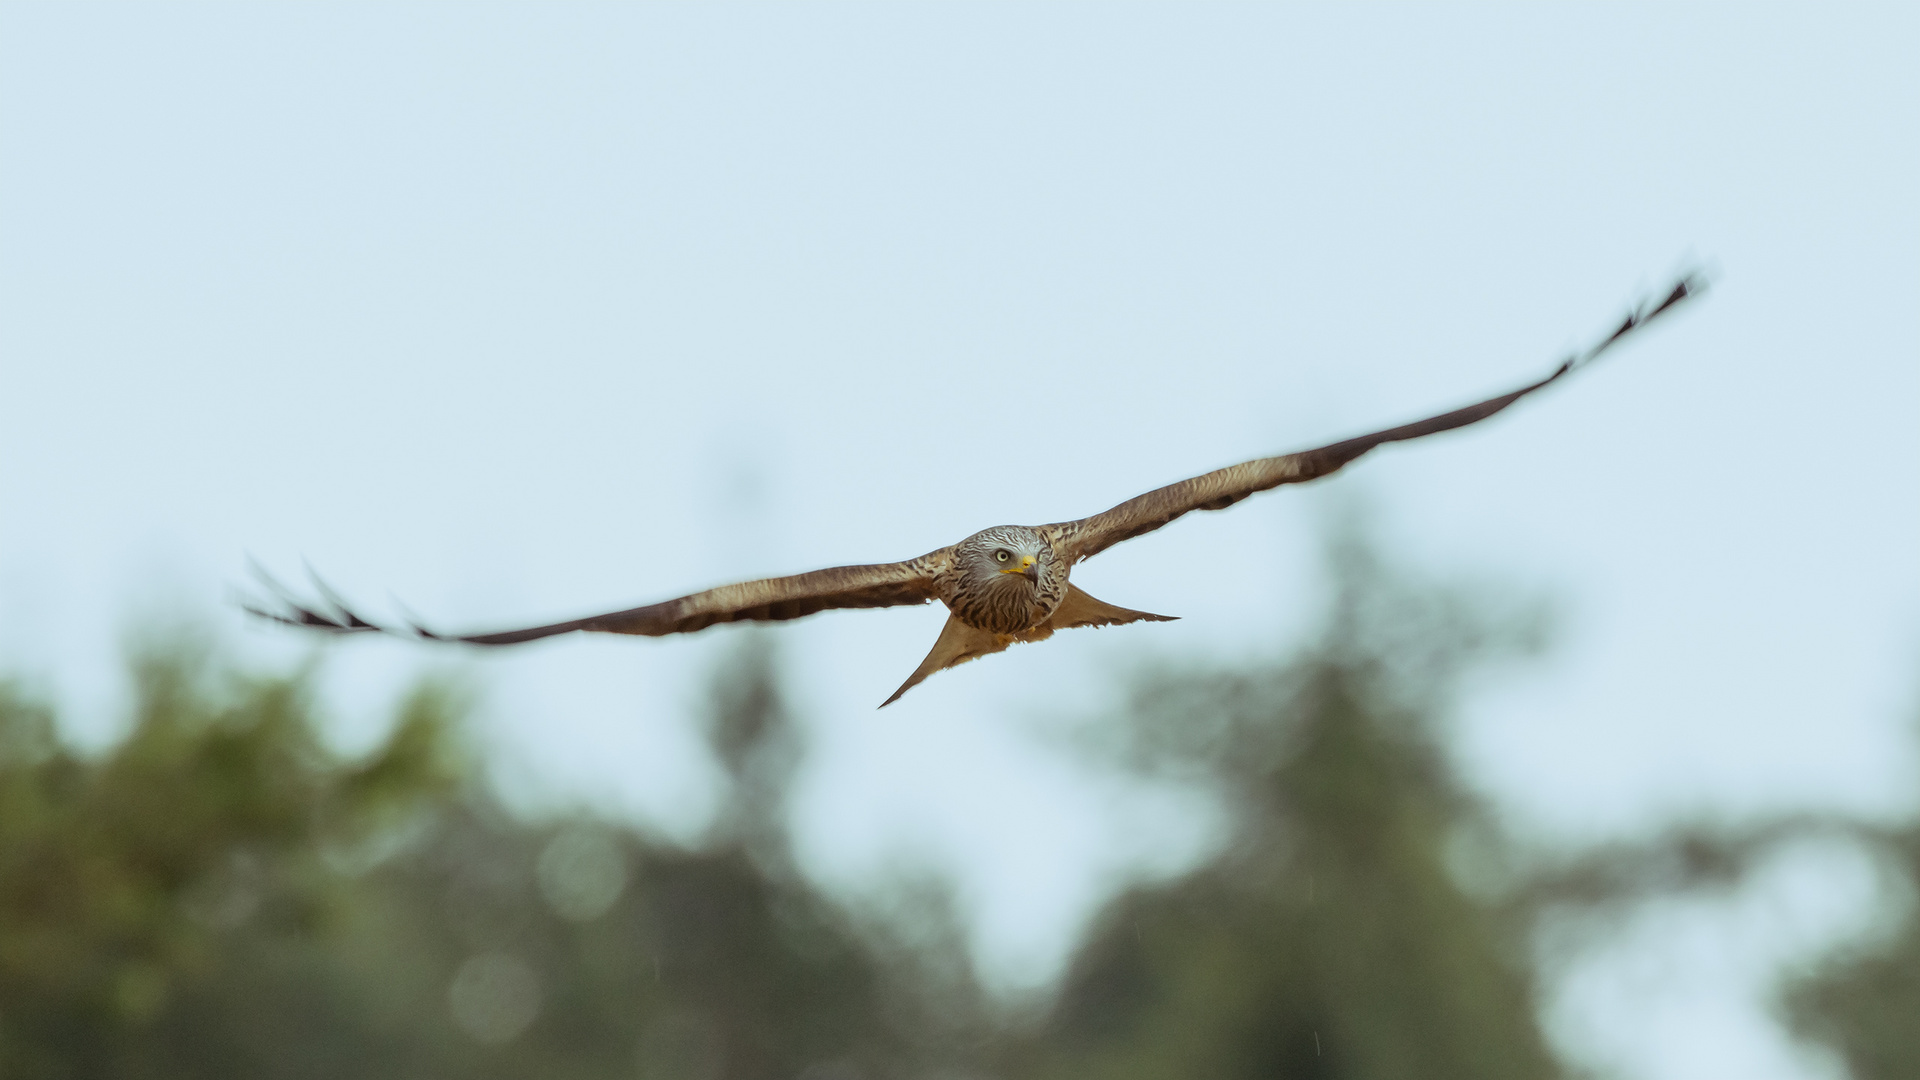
[957, 644]
[1079, 609]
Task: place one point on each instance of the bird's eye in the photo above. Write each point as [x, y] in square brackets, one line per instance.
[1002, 555]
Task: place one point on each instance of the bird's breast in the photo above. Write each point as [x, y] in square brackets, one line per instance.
[1007, 603]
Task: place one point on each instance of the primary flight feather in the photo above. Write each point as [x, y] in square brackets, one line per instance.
[1003, 585]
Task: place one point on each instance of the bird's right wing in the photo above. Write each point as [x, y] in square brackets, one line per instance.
[878, 585]
[1222, 488]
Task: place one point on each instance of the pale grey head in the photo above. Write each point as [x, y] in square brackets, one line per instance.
[1009, 579]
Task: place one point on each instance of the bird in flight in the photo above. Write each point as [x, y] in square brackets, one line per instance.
[1001, 586]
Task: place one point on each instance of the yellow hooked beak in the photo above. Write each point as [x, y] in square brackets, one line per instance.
[1025, 566]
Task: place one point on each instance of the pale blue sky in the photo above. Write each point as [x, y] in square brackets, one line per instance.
[499, 309]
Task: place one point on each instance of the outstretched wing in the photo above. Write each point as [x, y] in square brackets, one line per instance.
[1222, 488]
[879, 585]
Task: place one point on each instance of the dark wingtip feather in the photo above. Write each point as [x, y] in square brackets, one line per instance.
[347, 616]
[418, 628]
[1691, 283]
[263, 613]
[293, 611]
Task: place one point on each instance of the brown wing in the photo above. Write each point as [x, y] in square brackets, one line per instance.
[879, 585]
[1222, 488]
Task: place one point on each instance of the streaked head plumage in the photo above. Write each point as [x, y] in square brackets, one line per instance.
[1005, 552]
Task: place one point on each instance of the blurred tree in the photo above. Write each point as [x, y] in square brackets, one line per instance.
[1333, 936]
[1864, 1001]
[1861, 1000]
[219, 895]
[122, 879]
[1369, 918]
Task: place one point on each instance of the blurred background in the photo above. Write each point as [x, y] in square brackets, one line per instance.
[1579, 743]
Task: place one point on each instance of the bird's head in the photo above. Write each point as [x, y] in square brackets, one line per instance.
[1006, 554]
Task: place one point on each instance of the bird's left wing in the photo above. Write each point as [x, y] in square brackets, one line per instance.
[1222, 488]
[878, 585]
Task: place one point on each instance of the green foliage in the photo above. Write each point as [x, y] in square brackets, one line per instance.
[220, 894]
[1866, 1003]
[120, 877]
[1331, 938]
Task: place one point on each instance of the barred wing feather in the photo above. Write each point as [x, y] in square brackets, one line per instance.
[1221, 488]
[771, 599]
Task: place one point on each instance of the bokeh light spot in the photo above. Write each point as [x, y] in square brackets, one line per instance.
[582, 872]
[494, 997]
